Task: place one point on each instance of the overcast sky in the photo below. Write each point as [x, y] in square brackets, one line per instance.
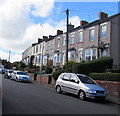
[23, 21]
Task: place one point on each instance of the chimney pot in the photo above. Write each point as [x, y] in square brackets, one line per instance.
[70, 27]
[102, 15]
[59, 32]
[45, 38]
[39, 40]
[83, 22]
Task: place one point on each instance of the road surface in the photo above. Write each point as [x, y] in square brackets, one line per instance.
[30, 98]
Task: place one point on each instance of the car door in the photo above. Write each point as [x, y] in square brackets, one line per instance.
[14, 75]
[65, 82]
[74, 84]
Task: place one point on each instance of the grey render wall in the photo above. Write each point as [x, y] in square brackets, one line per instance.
[115, 41]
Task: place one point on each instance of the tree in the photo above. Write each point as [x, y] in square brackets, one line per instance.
[22, 65]
[31, 62]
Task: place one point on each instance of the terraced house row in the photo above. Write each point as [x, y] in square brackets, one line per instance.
[86, 42]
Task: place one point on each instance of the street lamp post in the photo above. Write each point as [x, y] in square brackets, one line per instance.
[41, 65]
[9, 60]
[67, 13]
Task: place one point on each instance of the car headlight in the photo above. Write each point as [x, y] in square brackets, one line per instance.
[91, 91]
[20, 77]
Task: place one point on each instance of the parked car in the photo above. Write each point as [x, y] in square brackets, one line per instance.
[81, 85]
[20, 76]
[2, 70]
[8, 74]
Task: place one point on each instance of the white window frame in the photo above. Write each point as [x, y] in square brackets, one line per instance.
[104, 52]
[80, 38]
[103, 31]
[70, 55]
[80, 54]
[91, 54]
[90, 35]
[63, 58]
[58, 43]
[64, 40]
[72, 41]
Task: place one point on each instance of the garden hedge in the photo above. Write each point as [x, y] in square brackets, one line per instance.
[106, 76]
[56, 74]
[98, 65]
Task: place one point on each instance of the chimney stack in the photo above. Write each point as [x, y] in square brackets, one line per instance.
[102, 15]
[39, 40]
[59, 32]
[51, 37]
[45, 38]
[70, 27]
[83, 22]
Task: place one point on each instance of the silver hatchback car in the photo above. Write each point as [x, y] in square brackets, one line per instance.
[79, 84]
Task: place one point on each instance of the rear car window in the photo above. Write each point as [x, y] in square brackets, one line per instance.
[10, 71]
[21, 73]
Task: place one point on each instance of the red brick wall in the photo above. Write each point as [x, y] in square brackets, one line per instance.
[44, 79]
[113, 88]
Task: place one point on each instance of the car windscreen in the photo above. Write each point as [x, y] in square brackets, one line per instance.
[21, 73]
[86, 79]
[10, 71]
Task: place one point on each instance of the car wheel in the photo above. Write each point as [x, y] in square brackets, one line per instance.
[17, 79]
[58, 89]
[81, 95]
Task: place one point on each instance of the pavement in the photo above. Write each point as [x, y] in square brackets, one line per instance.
[112, 99]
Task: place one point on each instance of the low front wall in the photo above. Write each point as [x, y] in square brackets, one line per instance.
[113, 88]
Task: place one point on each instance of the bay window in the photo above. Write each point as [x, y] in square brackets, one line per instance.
[90, 54]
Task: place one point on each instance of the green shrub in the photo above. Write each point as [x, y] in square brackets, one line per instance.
[31, 70]
[98, 65]
[101, 64]
[70, 64]
[57, 73]
[82, 68]
[105, 76]
[48, 70]
[113, 71]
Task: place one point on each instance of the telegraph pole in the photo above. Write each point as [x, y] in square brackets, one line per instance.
[67, 14]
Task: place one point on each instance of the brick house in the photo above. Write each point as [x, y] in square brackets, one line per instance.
[86, 42]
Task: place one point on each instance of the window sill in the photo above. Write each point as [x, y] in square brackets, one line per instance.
[80, 42]
[71, 44]
[91, 40]
[103, 37]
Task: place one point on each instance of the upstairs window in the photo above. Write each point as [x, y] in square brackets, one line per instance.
[92, 34]
[64, 41]
[36, 49]
[104, 31]
[58, 43]
[81, 36]
[52, 44]
[72, 40]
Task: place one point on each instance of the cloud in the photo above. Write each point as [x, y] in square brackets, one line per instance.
[5, 55]
[17, 29]
[15, 21]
